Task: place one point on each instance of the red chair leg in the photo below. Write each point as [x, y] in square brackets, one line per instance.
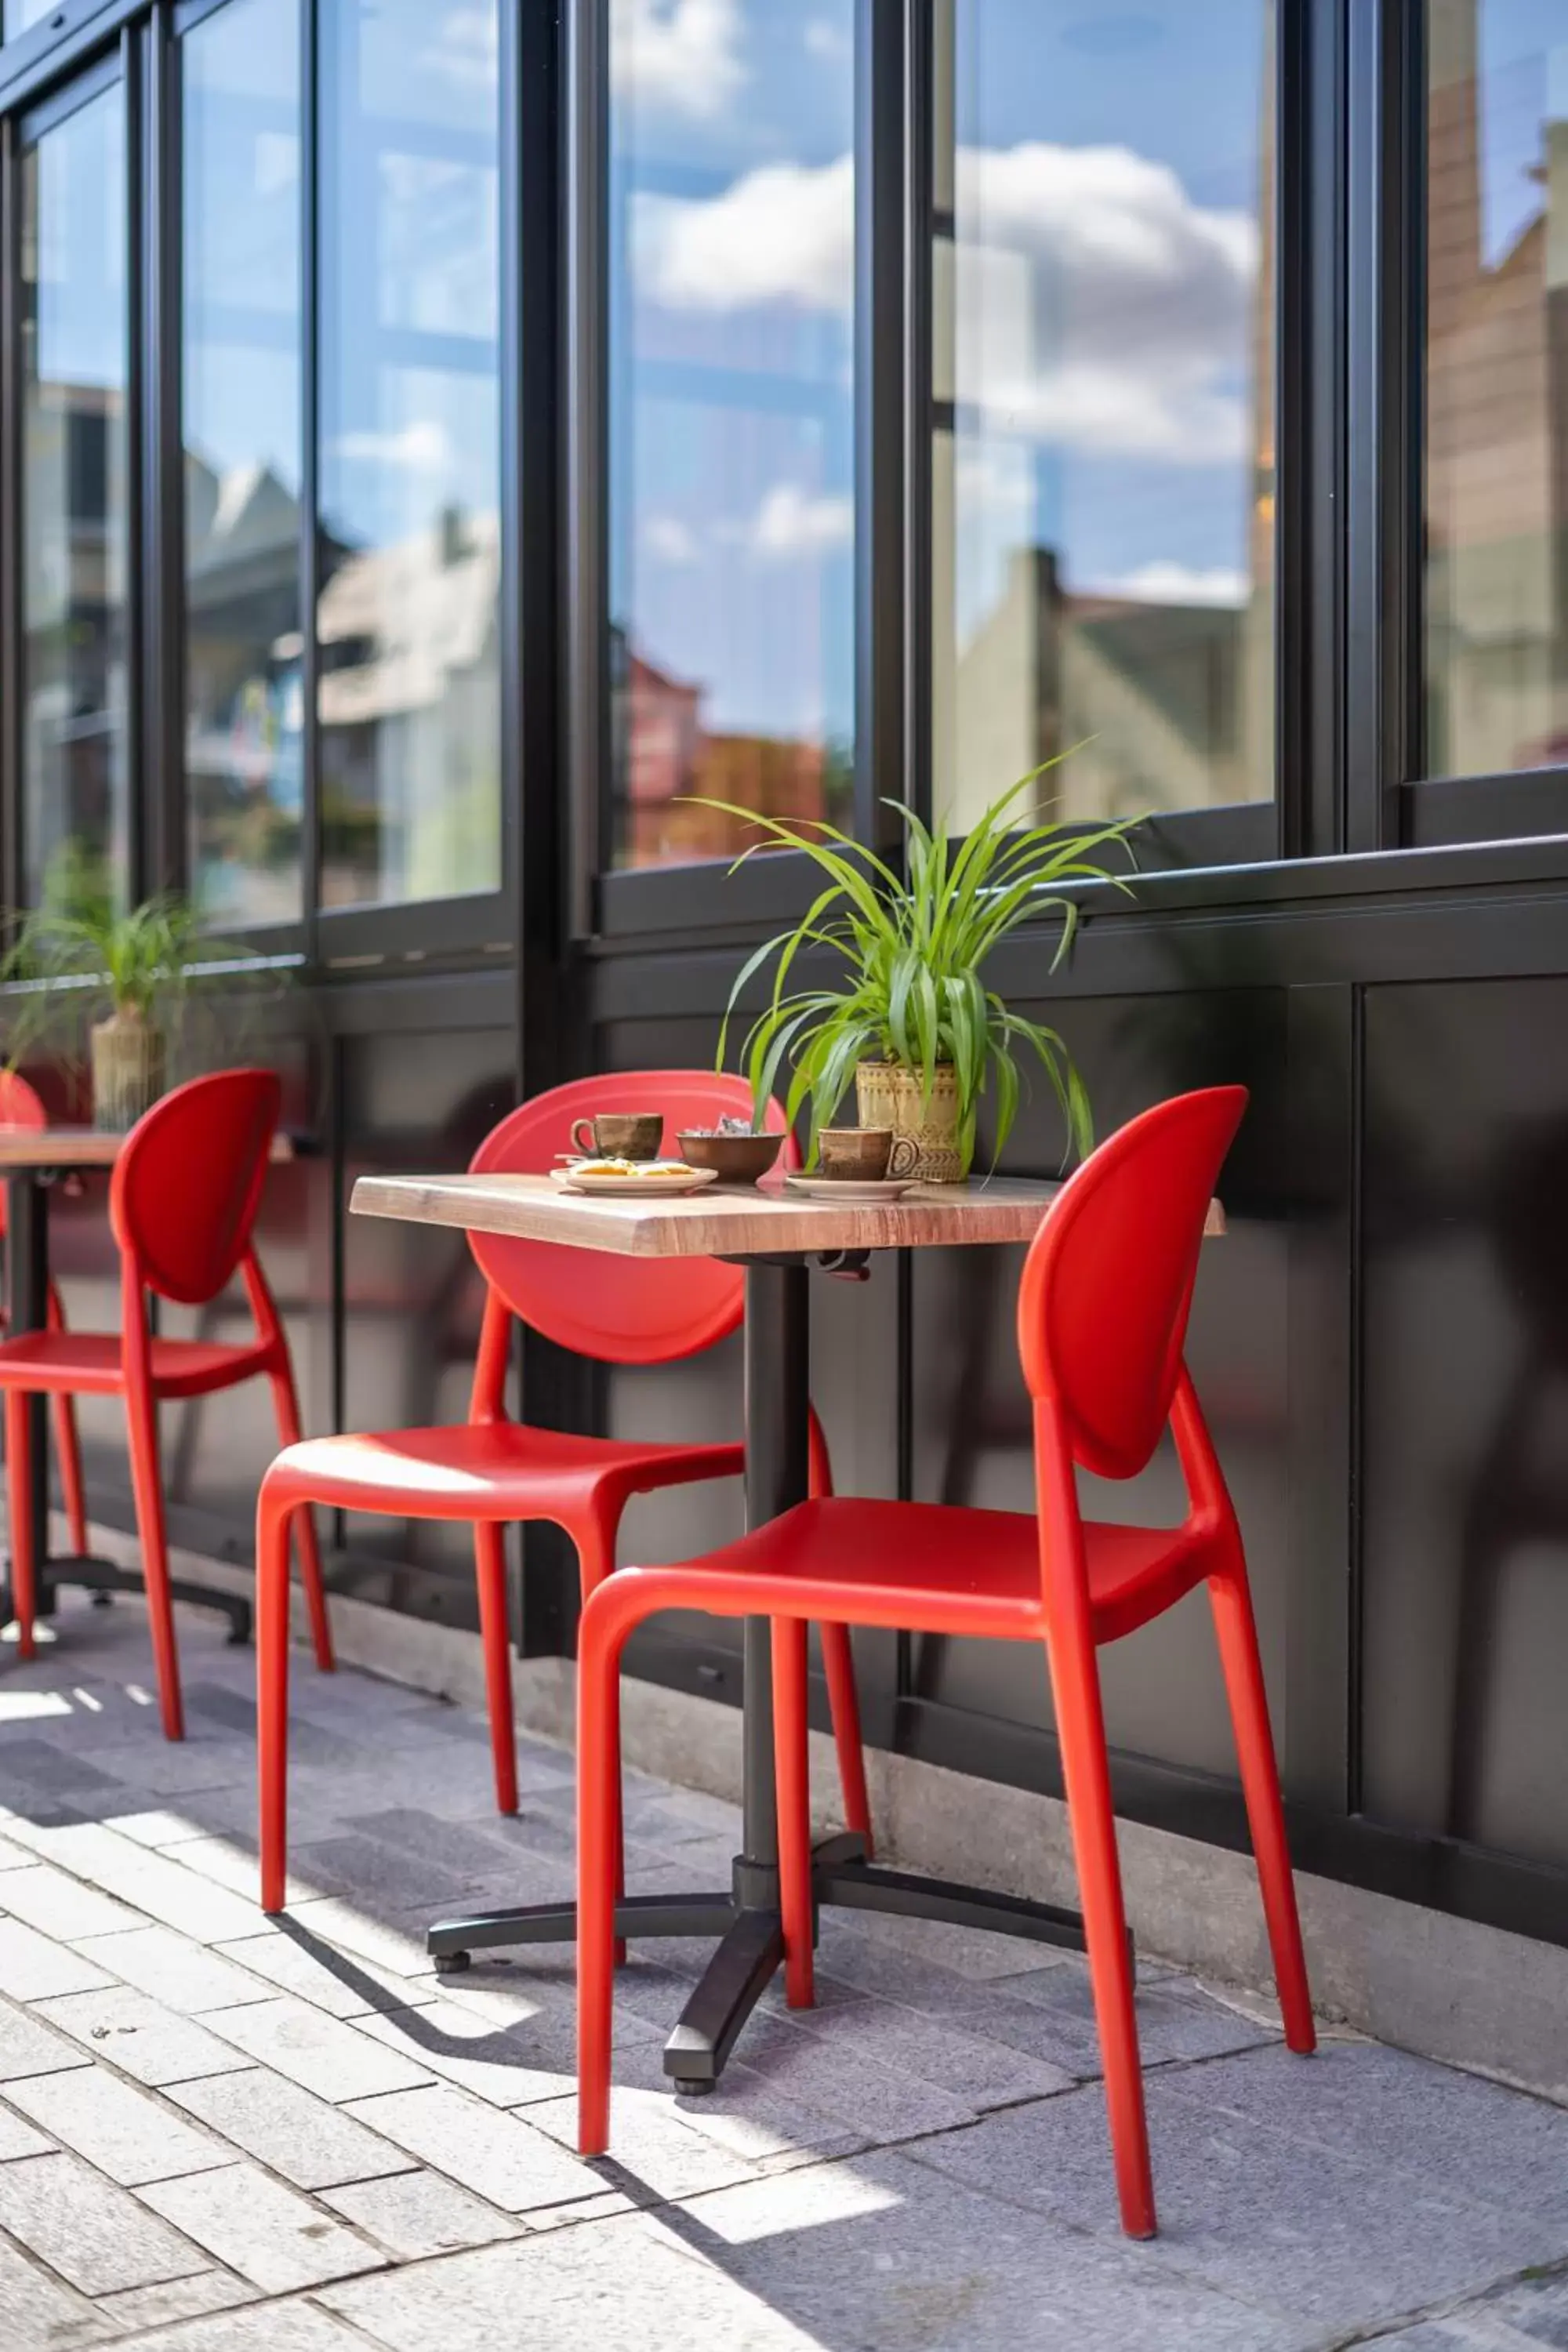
[838, 1663]
[19, 1489]
[598, 1859]
[272, 1516]
[792, 1769]
[596, 1560]
[1237, 1635]
[147, 1487]
[68, 1448]
[844, 1702]
[489, 1566]
[286, 1404]
[1085, 1771]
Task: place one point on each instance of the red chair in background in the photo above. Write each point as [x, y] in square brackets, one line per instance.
[1103, 1314]
[492, 1470]
[20, 1106]
[181, 1203]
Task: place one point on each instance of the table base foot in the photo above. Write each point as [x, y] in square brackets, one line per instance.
[450, 1942]
[104, 1578]
[862, 1887]
[730, 1987]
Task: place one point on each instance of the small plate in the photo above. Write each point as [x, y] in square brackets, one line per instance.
[690, 1179]
[851, 1188]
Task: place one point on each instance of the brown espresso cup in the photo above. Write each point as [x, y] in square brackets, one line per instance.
[864, 1155]
[619, 1135]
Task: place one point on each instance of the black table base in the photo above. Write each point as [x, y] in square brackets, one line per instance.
[749, 1933]
[746, 1921]
[104, 1578]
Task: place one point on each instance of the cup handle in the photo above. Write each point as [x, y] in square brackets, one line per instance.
[580, 1127]
[904, 1156]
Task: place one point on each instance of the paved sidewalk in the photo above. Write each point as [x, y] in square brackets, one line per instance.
[220, 2134]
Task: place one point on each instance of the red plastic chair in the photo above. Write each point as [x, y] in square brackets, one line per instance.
[1102, 1313]
[20, 1106]
[181, 1203]
[494, 1471]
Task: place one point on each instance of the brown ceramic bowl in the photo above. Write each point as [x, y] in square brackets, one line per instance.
[738, 1159]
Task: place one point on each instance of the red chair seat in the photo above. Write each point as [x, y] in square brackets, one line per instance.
[944, 1569]
[501, 1469]
[91, 1363]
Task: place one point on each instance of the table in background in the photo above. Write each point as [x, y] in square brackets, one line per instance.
[32, 1159]
[777, 1236]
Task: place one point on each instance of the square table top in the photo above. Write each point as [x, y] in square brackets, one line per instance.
[82, 1147]
[721, 1221]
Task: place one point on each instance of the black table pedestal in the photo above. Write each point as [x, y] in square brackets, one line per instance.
[746, 1920]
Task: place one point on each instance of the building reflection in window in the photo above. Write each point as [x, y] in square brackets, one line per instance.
[408, 618]
[1103, 463]
[1497, 387]
[76, 792]
[243, 424]
[731, 420]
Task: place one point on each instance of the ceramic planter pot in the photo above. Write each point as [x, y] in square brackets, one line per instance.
[127, 1067]
[888, 1095]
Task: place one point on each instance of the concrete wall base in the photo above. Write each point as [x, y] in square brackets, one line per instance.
[1472, 1995]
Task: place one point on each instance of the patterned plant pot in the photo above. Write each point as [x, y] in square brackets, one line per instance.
[889, 1095]
[128, 1063]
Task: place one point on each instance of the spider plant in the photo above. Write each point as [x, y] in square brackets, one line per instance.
[911, 950]
[129, 977]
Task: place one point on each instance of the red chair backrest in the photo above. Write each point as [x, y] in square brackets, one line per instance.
[620, 1310]
[1104, 1304]
[188, 1182]
[20, 1106]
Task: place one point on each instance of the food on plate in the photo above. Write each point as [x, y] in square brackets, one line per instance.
[638, 1167]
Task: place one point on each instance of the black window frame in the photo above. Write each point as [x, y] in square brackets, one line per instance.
[1402, 806]
[45, 74]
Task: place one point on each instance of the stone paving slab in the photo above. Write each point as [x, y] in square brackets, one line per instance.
[220, 2133]
[137, 2034]
[268, 2233]
[124, 2131]
[298, 2135]
[97, 2236]
[416, 2214]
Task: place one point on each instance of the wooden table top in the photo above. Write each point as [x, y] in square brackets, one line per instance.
[721, 1221]
[81, 1146]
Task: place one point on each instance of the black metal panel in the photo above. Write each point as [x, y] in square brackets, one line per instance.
[972, 1423]
[1465, 1602]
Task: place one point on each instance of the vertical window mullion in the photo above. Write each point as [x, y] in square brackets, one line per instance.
[586, 391]
[882, 318]
[163, 797]
[10, 520]
[141, 873]
[309, 468]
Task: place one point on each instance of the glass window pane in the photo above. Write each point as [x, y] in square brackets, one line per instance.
[76, 792]
[1497, 386]
[407, 620]
[240, 202]
[1103, 472]
[732, 421]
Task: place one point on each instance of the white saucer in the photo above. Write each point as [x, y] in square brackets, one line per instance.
[852, 1188]
[690, 1179]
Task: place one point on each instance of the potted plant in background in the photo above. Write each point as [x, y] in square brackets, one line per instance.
[909, 1017]
[130, 976]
